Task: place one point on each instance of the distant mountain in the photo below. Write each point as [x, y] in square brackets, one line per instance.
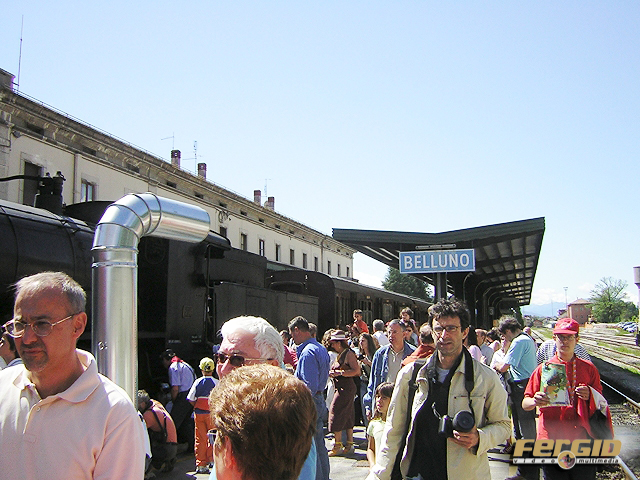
[548, 310]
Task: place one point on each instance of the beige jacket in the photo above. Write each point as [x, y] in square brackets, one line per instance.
[489, 403]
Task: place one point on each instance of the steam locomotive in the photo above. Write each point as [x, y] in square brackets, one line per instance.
[185, 291]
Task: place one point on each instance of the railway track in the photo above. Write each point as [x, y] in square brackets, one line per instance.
[610, 335]
[629, 359]
[624, 410]
[619, 349]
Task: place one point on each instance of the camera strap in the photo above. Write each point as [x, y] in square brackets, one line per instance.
[413, 388]
[468, 374]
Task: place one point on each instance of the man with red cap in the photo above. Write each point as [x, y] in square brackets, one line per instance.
[566, 422]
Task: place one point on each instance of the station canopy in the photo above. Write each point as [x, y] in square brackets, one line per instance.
[506, 258]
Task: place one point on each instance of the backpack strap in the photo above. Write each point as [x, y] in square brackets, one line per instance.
[413, 388]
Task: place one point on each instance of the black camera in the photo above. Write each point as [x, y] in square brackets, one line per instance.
[462, 421]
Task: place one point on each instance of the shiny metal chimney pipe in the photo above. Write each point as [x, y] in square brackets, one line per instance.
[114, 274]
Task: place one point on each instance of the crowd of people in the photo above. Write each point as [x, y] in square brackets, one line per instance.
[260, 407]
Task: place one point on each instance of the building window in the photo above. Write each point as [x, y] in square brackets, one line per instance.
[315, 264]
[304, 261]
[292, 256]
[223, 231]
[338, 269]
[328, 267]
[30, 187]
[261, 247]
[348, 276]
[87, 191]
[243, 242]
[278, 253]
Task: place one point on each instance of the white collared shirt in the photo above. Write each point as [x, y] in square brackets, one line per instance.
[89, 431]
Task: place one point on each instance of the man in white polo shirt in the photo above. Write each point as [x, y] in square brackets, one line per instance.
[59, 418]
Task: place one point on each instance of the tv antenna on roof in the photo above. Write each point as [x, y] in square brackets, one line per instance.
[173, 140]
[195, 153]
[20, 55]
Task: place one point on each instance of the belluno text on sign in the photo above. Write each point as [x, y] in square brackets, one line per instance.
[438, 261]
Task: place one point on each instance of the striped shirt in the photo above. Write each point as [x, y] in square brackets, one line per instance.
[548, 350]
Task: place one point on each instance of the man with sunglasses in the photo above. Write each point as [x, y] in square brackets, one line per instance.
[254, 341]
[59, 418]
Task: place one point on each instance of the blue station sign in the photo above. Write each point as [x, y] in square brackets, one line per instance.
[438, 261]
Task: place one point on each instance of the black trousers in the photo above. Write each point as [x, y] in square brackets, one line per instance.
[524, 425]
[181, 414]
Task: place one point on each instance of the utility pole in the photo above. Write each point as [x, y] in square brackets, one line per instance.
[566, 302]
[636, 280]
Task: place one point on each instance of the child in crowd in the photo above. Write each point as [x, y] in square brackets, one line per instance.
[199, 398]
[376, 425]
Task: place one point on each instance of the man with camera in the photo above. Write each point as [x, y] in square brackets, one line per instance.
[457, 413]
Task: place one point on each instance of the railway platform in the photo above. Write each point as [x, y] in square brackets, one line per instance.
[351, 467]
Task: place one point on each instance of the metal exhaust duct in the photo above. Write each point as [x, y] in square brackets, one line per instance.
[114, 274]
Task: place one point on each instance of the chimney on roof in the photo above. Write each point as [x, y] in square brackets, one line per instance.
[6, 79]
[257, 197]
[270, 203]
[175, 158]
[202, 170]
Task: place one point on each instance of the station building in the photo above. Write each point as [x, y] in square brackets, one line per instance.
[38, 140]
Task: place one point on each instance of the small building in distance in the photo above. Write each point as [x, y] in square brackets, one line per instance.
[580, 310]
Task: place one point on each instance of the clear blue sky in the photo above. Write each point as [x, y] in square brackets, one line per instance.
[408, 115]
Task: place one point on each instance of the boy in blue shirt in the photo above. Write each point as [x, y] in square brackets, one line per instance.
[199, 398]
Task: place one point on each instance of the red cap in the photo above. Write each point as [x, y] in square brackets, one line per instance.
[567, 325]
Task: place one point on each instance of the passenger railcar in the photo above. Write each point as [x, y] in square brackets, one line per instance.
[338, 298]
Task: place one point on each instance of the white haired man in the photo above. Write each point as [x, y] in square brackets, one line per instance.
[252, 341]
